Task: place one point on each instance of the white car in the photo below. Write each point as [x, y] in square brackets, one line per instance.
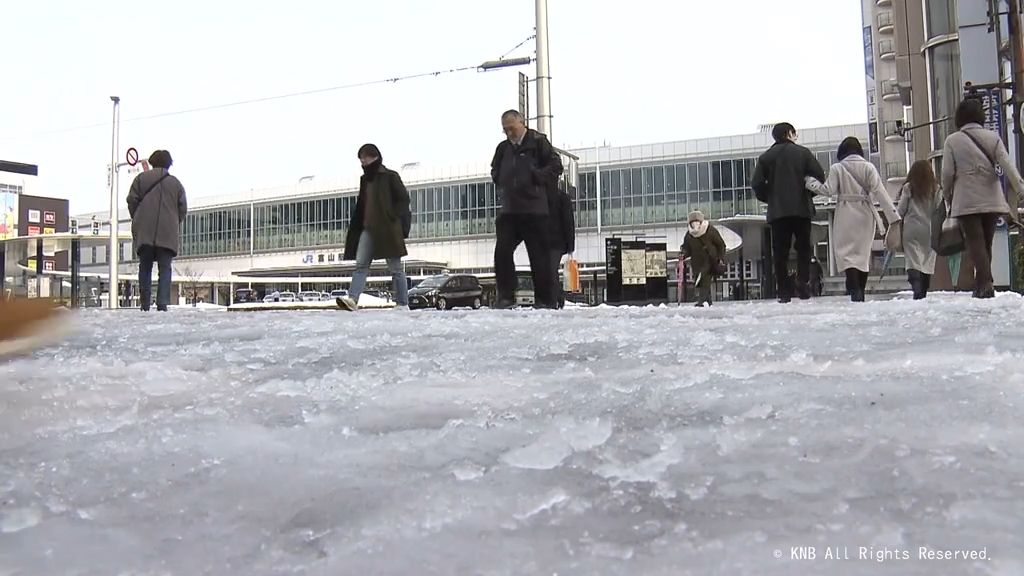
[309, 296]
[338, 294]
[287, 297]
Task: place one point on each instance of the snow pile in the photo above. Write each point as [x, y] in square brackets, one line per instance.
[664, 441]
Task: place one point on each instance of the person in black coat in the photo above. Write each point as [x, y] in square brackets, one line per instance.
[561, 235]
[778, 181]
[524, 166]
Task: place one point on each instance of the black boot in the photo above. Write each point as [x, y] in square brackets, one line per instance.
[853, 287]
[926, 284]
[916, 283]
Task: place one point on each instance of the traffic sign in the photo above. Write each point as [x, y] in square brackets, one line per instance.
[132, 156]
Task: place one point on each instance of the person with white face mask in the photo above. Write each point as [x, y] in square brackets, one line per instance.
[704, 246]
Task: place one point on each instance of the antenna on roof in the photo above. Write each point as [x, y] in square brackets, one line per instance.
[765, 128]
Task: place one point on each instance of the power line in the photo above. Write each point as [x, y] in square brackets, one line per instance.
[256, 100]
[528, 38]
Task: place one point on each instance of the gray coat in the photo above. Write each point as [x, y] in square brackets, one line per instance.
[969, 181]
[157, 214]
[917, 229]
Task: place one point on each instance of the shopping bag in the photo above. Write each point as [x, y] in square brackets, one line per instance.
[571, 275]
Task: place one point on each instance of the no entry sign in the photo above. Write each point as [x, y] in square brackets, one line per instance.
[132, 156]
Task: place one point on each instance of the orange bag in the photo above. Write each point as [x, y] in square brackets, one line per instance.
[571, 275]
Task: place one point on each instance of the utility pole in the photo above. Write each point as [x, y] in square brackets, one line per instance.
[1017, 67]
[113, 247]
[543, 72]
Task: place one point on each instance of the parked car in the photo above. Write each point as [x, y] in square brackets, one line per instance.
[309, 296]
[243, 295]
[447, 291]
[338, 294]
[325, 297]
[272, 297]
[382, 294]
[287, 297]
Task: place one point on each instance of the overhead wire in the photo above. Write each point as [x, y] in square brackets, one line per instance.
[253, 101]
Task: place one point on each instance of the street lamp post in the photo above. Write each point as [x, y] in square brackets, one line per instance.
[112, 249]
[543, 73]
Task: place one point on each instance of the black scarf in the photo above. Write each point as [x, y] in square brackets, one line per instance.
[370, 170]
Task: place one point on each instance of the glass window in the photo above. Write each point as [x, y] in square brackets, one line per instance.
[615, 183]
[946, 86]
[691, 177]
[670, 178]
[638, 182]
[940, 17]
[716, 175]
[704, 179]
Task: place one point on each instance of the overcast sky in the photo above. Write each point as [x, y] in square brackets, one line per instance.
[625, 73]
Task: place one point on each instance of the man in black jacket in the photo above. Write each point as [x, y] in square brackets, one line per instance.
[525, 165]
[779, 182]
[561, 235]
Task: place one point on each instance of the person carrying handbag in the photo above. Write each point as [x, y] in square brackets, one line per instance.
[973, 159]
[704, 246]
[158, 206]
[855, 184]
[916, 203]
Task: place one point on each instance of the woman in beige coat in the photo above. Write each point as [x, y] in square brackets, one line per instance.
[856, 186]
[970, 183]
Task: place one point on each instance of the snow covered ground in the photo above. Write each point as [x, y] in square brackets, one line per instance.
[672, 441]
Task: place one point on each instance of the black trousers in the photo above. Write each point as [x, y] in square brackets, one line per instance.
[979, 229]
[512, 230]
[555, 260]
[786, 232]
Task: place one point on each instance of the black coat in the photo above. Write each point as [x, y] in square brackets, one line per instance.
[779, 180]
[561, 222]
[389, 224]
[523, 173]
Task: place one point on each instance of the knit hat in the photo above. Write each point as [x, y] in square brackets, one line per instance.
[369, 150]
[696, 216]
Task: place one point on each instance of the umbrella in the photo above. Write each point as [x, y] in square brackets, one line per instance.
[886, 262]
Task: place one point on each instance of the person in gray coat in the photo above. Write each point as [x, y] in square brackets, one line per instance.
[157, 205]
[971, 186]
[916, 203]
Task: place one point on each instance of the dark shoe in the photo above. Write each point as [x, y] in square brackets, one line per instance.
[161, 308]
[503, 305]
[803, 291]
[144, 308]
[857, 296]
[985, 293]
[785, 299]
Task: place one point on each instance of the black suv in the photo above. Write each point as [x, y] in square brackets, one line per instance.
[446, 291]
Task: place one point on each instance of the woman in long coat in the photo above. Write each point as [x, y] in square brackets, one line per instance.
[915, 205]
[973, 191]
[856, 186]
